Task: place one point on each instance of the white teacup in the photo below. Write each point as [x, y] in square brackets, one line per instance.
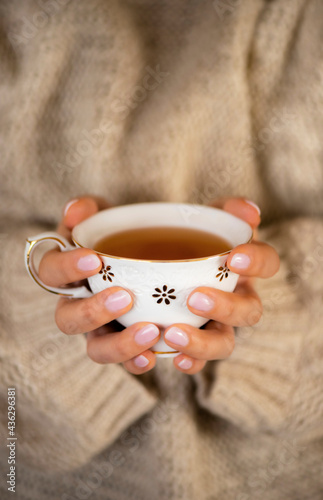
[160, 288]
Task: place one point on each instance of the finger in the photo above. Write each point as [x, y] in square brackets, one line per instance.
[256, 259]
[125, 346]
[79, 209]
[187, 364]
[216, 341]
[240, 207]
[83, 315]
[141, 364]
[240, 308]
[60, 268]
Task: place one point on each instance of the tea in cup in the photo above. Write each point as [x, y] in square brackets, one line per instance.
[160, 252]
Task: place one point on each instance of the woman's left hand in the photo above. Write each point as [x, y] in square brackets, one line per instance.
[225, 310]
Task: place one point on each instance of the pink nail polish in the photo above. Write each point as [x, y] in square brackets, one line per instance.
[146, 334]
[68, 205]
[118, 300]
[240, 261]
[201, 302]
[185, 364]
[141, 361]
[177, 336]
[89, 263]
[253, 205]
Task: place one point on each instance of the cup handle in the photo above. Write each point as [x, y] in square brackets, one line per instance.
[65, 246]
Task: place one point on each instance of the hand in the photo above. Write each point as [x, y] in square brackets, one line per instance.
[95, 315]
[225, 310]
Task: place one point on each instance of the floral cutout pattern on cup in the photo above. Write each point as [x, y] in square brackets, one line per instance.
[146, 278]
[107, 274]
[224, 272]
[164, 295]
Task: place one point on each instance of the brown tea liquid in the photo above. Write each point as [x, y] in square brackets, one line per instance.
[162, 243]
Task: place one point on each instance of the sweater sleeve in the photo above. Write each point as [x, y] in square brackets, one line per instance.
[273, 380]
[68, 407]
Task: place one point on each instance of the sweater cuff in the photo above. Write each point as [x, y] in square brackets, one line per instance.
[68, 407]
[254, 388]
[273, 371]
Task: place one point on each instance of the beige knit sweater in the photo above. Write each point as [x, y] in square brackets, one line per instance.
[183, 100]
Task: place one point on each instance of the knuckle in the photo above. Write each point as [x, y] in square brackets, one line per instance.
[88, 312]
[122, 350]
[97, 303]
[201, 348]
[228, 310]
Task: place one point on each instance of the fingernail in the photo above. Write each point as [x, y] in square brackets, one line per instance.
[118, 300]
[177, 336]
[201, 302]
[141, 361]
[240, 261]
[146, 334]
[253, 205]
[89, 263]
[185, 364]
[69, 204]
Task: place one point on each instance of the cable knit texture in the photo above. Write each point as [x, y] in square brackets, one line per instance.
[141, 100]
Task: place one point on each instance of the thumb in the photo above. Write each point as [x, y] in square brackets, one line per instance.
[79, 209]
[240, 207]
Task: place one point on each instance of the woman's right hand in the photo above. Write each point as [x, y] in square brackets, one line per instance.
[95, 315]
